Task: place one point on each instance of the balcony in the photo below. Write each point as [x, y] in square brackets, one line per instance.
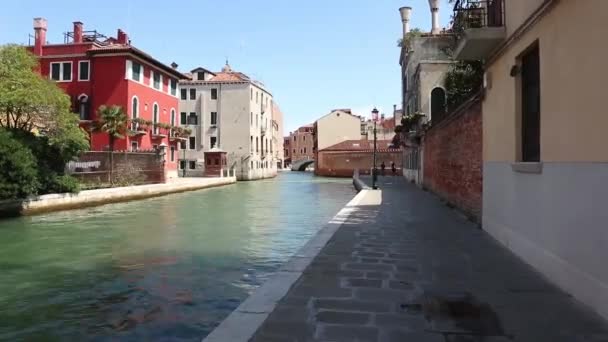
[479, 25]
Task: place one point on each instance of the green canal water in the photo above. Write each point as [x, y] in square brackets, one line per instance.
[164, 269]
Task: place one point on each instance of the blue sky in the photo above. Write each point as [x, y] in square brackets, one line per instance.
[313, 55]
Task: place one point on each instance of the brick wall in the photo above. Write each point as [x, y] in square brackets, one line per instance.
[148, 164]
[343, 164]
[452, 166]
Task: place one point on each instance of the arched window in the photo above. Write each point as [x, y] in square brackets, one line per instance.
[134, 112]
[155, 118]
[438, 103]
[83, 107]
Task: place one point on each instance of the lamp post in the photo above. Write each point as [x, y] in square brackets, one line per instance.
[184, 159]
[375, 172]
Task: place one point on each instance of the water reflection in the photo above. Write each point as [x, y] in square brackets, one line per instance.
[173, 266]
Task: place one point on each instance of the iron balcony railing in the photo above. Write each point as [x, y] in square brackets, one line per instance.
[478, 14]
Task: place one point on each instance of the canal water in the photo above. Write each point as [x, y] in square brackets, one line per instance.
[164, 269]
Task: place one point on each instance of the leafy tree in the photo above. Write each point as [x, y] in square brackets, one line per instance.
[32, 103]
[114, 122]
[18, 171]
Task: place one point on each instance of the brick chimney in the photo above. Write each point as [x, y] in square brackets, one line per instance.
[434, 4]
[122, 37]
[77, 32]
[406, 12]
[40, 25]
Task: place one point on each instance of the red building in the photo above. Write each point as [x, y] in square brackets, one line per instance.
[96, 70]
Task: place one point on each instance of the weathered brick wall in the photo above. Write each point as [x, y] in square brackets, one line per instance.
[147, 163]
[452, 166]
[343, 164]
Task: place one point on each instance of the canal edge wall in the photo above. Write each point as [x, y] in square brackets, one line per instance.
[90, 198]
[242, 324]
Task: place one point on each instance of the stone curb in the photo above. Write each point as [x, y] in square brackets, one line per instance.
[242, 323]
[89, 198]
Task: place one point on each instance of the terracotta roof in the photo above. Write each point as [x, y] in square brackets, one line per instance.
[230, 77]
[123, 48]
[361, 146]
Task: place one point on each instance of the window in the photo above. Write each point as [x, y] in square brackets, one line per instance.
[200, 75]
[294, 150]
[304, 150]
[217, 161]
[257, 144]
[294, 139]
[182, 145]
[257, 95]
[134, 112]
[530, 106]
[192, 143]
[172, 153]
[157, 80]
[192, 94]
[61, 71]
[251, 94]
[192, 164]
[213, 118]
[251, 120]
[438, 102]
[183, 116]
[83, 70]
[251, 144]
[256, 121]
[83, 107]
[214, 94]
[173, 87]
[252, 164]
[134, 146]
[212, 142]
[172, 117]
[184, 95]
[182, 164]
[137, 72]
[192, 119]
[155, 118]
[304, 138]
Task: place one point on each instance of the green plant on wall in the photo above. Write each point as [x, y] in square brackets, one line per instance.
[409, 37]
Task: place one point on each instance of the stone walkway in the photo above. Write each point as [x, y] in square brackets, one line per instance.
[411, 269]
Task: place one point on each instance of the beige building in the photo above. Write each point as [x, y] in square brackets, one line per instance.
[338, 126]
[424, 64]
[231, 112]
[545, 162]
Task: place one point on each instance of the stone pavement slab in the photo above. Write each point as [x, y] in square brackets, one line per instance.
[403, 267]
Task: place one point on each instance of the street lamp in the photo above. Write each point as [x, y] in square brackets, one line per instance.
[183, 143]
[375, 171]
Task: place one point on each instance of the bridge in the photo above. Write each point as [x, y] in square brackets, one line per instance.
[301, 165]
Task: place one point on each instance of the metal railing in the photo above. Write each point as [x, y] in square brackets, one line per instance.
[477, 14]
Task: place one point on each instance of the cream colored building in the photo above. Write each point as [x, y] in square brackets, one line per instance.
[338, 126]
[545, 161]
[229, 111]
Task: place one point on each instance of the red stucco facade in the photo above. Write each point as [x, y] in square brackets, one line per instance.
[109, 83]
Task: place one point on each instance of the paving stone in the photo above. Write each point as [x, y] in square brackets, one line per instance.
[377, 275]
[351, 305]
[375, 283]
[371, 254]
[370, 267]
[322, 292]
[342, 317]
[383, 295]
[412, 336]
[369, 260]
[400, 320]
[400, 285]
[341, 333]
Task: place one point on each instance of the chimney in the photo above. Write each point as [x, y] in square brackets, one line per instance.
[77, 32]
[39, 35]
[405, 18]
[435, 14]
[122, 37]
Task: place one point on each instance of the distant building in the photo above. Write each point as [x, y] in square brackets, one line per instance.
[342, 159]
[301, 143]
[96, 70]
[385, 129]
[230, 112]
[287, 150]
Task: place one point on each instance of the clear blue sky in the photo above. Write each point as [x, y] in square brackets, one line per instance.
[313, 55]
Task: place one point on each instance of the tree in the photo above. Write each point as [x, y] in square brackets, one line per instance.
[32, 103]
[114, 122]
[18, 171]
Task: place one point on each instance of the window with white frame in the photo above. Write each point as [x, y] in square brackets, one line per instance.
[173, 87]
[84, 70]
[213, 118]
[172, 153]
[135, 71]
[134, 146]
[134, 112]
[155, 118]
[212, 142]
[184, 94]
[61, 71]
[157, 80]
[192, 143]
